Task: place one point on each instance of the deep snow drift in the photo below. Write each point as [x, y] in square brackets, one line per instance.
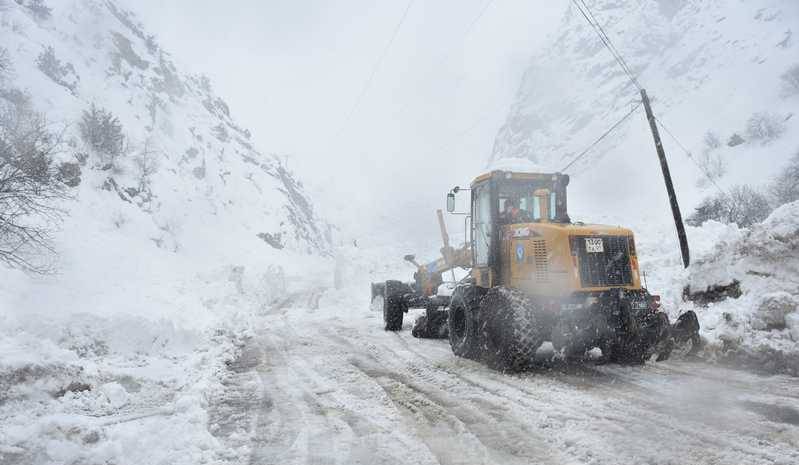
[761, 327]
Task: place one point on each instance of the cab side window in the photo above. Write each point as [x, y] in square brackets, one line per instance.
[482, 225]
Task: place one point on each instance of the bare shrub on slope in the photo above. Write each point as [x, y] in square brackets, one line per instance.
[790, 81]
[38, 8]
[743, 205]
[765, 127]
[29, 185]
[785, 188]
[102, 131]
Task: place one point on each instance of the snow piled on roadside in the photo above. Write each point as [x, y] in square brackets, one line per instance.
[762, 326]
[115, 360]
[120, 388]
[73, 395]
[758, 330]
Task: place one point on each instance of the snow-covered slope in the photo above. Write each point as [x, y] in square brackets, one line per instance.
[208, 174]
[111, 358]
[709, 67]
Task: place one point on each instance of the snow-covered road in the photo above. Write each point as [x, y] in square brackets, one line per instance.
[319, 386]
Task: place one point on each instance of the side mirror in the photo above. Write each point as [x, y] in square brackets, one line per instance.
[410, 258]
[451, 202]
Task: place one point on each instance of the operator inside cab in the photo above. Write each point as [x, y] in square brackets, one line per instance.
[511, 213]
[538, 206]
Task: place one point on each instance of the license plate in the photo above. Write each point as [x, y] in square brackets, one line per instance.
[594, 245]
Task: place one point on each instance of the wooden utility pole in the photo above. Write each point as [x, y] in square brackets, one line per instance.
[664, 166]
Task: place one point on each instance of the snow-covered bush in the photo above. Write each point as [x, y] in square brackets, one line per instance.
[790, 81]
[712, 165]
[69, 173]
[5, 63]
[221, 133]
[30, 183]
[785, 187]
[39, 8]
[735, 140]
[102, 131]
[145, 164]
[152, 45]
[743, 205]
[765, 127]
[49, 64]
[712, 141]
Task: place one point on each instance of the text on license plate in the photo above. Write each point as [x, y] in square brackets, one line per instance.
[594, 245]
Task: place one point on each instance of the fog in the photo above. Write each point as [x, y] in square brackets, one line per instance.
[293, 72]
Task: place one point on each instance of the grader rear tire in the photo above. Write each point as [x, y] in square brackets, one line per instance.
[462, 322]
[509, 329]
[393, 306]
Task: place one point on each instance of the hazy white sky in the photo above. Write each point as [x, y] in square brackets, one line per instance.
[292, 71]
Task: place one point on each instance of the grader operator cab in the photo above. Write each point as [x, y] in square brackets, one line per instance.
[535, 276]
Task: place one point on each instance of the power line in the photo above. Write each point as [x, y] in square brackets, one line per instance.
[602, 137]
[474, 22]
[448, 55]
[463, 132]
[368, 83]
[608, 43]
[583, 8]
[702, 169]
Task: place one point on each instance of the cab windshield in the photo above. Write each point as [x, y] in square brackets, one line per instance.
[519, 204]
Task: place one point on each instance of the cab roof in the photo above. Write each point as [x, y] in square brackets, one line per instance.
[518, 175]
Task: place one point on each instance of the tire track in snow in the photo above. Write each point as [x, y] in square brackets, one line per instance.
[327, 382]
[299, 432]
[617, 404]
[352, 393]
[427, 397]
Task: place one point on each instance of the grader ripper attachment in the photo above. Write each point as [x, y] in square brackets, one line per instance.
[535, 276]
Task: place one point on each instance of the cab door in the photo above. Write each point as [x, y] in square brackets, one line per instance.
[483, 234]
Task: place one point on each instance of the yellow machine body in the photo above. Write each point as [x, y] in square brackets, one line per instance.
[537, 259]
[548, 256]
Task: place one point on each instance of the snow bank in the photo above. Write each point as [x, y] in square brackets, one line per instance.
[758, 329]
[762, 324]
[87, 388]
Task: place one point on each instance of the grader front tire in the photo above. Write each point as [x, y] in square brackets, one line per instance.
[510, 329]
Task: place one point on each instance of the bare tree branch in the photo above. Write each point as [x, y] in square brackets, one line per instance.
[29, 187]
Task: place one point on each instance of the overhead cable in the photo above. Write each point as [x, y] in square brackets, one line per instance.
[602, 137]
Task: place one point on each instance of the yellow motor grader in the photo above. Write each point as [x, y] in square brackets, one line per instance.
[536, 276]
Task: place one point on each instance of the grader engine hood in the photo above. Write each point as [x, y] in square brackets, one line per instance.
[557, 259]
